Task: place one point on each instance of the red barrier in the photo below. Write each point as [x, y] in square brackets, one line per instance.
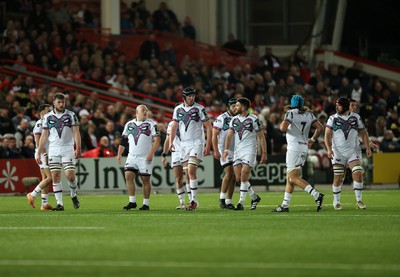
[12, 171]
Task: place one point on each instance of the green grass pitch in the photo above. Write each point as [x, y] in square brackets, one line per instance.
[100, 239]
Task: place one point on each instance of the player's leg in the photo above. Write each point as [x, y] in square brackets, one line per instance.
[44, 185]
[146, 192]
[231, 180]
[225, 183]
[187, 182]
[130, 174]
[69, 170]
[338, 174]
[193, 164]
[358, 184]
[55, 169]
[237, 168]
[195, 156]
[180, 191]
[245, 176]
[284, 207]
[295, 179]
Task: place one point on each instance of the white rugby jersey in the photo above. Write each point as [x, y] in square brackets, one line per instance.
[190, 121]
[177, 140]
[37, 130]
[298, 130]
[140, 136]
[60, 128]
[345, 132]
[245, 129]
[222, 124]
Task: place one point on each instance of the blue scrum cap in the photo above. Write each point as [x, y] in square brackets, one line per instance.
[297, 101]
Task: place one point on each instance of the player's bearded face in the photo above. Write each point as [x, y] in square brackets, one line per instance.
[239, 108]
[59, 105]
[339, 109]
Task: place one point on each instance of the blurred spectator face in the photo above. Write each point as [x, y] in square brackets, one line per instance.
[104, 141]
[110, 126]
[5, 143]
[84, 120]
[29, 142]
[353, 107]
[12, 143]
[24, 124]
[111, 110]
[388, 135]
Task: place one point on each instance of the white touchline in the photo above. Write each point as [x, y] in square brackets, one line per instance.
[180, 264]
[50, 228]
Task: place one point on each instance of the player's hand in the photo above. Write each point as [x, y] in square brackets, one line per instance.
[37, 158]
[368, 152]
[216, 154]
[119, 159]
[77, 153]
[330, 154]
[373, 145]
[224, 156]
[206, 151]
[164, 161]
[172, 147]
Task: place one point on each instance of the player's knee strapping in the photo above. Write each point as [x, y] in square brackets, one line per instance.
[357, 168]
[194, 163]
[55, 167]
[69, 167]
[338, 171]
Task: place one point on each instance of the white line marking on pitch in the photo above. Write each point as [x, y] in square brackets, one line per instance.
[50, 228]
[219, 265]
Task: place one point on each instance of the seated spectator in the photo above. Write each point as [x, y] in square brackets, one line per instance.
[188, 29]
[28, 148]
[149, 48]
[235, 45]
[109, 131]
[103, 150]
[22, 132]
[389, 144]
[271, 62]
[169, 54]
[163, 17]
[6, 124]
[19, 117]
[15, 150]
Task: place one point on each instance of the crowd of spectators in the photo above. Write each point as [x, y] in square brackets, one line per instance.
[48, 40]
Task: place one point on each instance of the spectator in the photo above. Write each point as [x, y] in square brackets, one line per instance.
[6, 124]
[103, 150]
[188, 29]
[22, 132]
[28, 148]
[393, 123]
[169, 54]
[164, 17]
[108, 131]
[271, 62]
[15, 150]
[235, 46]
[389, 143]
[149, 48]
[19, 117]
